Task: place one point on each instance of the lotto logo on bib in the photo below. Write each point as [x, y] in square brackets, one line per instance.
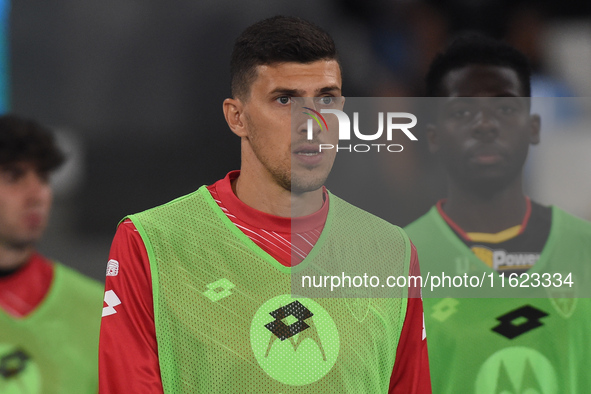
[18, 373]
[294, 340]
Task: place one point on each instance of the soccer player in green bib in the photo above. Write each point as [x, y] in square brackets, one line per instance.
[49, 313]
[199, 290]
[481, 131]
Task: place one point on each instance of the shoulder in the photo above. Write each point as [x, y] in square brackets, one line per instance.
[569, 223]
[198, 194]
[172, 213]
[76, 296]
[77, 283]
[422, 224]
[359, 219]
[570, 218]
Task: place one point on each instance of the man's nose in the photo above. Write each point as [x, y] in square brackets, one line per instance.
[485, 124]
[310, 122]
[36, 187]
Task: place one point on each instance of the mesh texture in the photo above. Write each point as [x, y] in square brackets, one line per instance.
[225, 318]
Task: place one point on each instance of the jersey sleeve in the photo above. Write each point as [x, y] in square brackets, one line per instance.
[128, 353]
[411, 368]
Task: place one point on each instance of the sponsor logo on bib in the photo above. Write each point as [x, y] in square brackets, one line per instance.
[294, 340]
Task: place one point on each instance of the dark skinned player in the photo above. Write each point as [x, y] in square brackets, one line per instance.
[481, 133]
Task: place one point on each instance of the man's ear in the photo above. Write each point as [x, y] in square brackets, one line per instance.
[432, 137]
[233, 112]
[535, 124]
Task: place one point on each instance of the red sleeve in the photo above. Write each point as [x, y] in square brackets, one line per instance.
[128, 353]
[411, 369]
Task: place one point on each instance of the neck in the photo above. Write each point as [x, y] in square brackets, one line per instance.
[11, 258]
[267, 196]
[489, 213]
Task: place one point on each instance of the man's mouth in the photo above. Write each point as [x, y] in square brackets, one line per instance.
[487, 158]
[486, 155]
[33, 220]
[307, 151]
[308, 155]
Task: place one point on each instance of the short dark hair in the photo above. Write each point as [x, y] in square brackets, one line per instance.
[26, 140]
[276, 40]
[474, 48]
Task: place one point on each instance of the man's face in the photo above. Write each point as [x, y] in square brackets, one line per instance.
[282, 153]
[483, 128]
[25, 201]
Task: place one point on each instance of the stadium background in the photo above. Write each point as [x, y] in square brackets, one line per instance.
[134, 89]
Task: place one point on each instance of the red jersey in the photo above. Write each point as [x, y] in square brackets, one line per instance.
[128, 351]
[23, 290]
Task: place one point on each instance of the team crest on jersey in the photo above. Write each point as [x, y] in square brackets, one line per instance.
[295, 341]
[516, 370]
[563, 299]
[357, 302]
[112, 268]
[564, 306]
[359, 307]
[18, 373]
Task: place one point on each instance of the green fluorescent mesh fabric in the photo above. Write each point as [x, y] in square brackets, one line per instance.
[507, 345]
[226, 321]
[54, 350]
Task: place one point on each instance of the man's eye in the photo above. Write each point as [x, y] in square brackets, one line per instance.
[44, 176]
[283, 100]
[460, 114]
[507, 110]
[326, 100]
[10, 175]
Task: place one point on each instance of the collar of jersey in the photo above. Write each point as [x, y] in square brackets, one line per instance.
[257, 249]
[44, 306]
[265, 220]
[460, 245]
[491, 238]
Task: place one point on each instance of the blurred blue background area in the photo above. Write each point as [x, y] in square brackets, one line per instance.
[4, 60]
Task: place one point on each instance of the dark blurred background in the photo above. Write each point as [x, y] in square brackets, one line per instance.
[135, 91]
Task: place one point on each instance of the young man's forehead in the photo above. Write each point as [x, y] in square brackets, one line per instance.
[330, 88]
[21, 164]
[485, 100]
[475, 80]
[300, 78]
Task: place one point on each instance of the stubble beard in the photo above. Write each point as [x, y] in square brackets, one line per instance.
[307, 182]
[282, 173]
[294, 183]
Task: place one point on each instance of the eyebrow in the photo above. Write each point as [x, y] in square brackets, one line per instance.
[453, 101]
[302, 93]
